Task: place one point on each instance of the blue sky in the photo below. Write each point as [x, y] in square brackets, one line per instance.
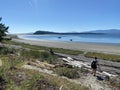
[24, 16]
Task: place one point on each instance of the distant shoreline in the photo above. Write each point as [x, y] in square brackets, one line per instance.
[89, 47]
[73, 38]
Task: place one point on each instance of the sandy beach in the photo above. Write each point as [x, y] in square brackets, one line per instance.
[101, 48]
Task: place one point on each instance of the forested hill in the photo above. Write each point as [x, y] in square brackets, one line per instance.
[44, 32]
[109, 31]
[66, 33]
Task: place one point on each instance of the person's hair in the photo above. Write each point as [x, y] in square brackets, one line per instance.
[95, 58]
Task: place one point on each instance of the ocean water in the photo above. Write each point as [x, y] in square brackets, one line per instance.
[89, 38]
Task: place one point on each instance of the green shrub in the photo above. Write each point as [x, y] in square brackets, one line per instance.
[5, 50]
[45, 56]
[30, 54]
[68, 72]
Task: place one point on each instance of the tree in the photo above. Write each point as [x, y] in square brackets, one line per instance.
[3, 30]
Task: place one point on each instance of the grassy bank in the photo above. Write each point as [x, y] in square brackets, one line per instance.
[111, 57]
[35, 47]
[14, 77]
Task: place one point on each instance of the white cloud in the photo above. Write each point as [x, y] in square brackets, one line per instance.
[33, 3]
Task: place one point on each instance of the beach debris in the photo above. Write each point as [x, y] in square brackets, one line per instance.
[80, 64]
[63, 88]
[69, 58]
[108, 74]
[75, 63]
[100, 78]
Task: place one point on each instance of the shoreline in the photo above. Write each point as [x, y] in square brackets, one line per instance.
[93, 42]
[87, 47]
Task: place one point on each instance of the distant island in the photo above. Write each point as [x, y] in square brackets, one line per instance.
[66, 33]
[109, 31]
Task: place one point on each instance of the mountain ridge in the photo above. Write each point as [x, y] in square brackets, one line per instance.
[109, 31]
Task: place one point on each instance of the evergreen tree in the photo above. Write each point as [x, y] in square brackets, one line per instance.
[3, 30]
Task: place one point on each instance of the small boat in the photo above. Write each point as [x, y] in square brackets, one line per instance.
[59, 37]
[71, 40]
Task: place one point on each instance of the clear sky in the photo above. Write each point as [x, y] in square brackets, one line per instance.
[23, 16]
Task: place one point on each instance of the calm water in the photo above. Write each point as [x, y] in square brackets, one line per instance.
[93, 38]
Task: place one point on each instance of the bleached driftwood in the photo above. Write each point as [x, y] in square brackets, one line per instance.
[80, 64]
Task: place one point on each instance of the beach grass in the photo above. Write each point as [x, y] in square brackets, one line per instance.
[18, 78]
[109, 57]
